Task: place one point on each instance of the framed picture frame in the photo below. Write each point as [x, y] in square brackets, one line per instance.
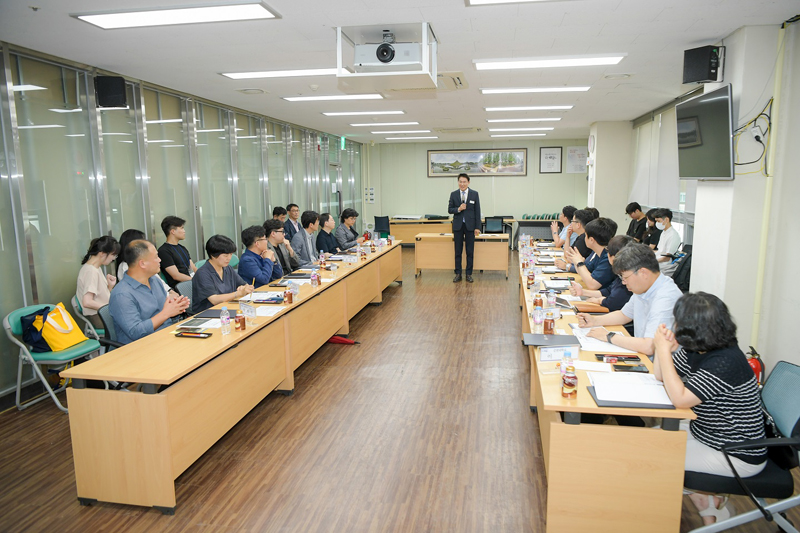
[550, 160]
[451, 163]
[689, 133]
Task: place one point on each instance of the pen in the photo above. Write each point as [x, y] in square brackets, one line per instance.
[254, 282]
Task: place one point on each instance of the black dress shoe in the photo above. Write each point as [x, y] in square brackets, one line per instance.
[457, 278]
[469, 278]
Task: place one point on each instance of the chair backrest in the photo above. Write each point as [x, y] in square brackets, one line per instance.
[382, 224]
[184, 288]
[687, 248]
[494, 225]
[781, 396]
[108, 322]
[234, 261]
[12, 323]
[203, 262]
[88, 329]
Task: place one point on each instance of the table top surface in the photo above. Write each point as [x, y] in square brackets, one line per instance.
[550, 381]
[449, 236]
[162, 358]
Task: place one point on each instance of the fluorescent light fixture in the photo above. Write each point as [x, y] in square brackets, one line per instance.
[530, 108]
[55, 110]
[112, 133]
[373, 124]
[209, 131]
[127, 142]
[280, 73]
[274, 142]
[396, 132]
[75, 135]
[19, 88]
[520, 129]
[525, 90]
[181, 15]
[519, 135]
[579, 61]
[40, 127]
[156, 141]
[333, 97]
[362, 113]
[125, 108]
[172, 146]
[523, 119]
[163, 121]
[407, 138]
[248, 137]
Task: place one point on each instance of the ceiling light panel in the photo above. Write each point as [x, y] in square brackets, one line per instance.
[181, 15]
[397, 132]
[362, 113]
[554, 119]
[374, 124]
[333, 97]
[526, 90]
[519, 135]
[521, 129]
[280, 73]
[581, 61]
[407, 138]
[531, 108]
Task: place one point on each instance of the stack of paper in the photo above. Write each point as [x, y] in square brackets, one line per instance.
[258, 297]
[552, 270]
[627, 387]
[560, 285]
[590, 344]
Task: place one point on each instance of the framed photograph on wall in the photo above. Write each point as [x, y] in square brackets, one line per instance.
[550, 160]
[451, 163]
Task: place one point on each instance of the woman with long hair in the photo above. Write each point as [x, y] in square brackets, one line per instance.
[94, 287]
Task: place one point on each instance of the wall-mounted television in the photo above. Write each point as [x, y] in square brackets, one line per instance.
[705, 136]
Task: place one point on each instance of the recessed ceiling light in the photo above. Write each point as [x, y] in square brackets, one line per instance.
[373, 124]
[280, 73]
[617, 76]
[519, 135]
[248, 137]
[156, 141]
[75, 135]
[177, 15]
[126, 108]
[395, 132]
[554, 119]
[521, 129]
[251, 90]
[530, 108]
[112, 134]
[362, 113]
[171, 146]
[372, 96]
[56, 110]
[19, 88]
[40, 127]
[209, 131]
[583, 61]
[407, 138]
[163, 121]
[524, 90]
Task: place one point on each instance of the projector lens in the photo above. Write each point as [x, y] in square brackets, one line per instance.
[385, 53]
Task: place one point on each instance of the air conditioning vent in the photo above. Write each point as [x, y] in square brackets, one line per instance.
[457, 130]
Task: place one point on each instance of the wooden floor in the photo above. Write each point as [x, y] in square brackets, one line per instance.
[424, 426]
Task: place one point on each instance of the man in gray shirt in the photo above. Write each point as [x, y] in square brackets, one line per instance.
[139, 303]
[654, 297]
[303, 242]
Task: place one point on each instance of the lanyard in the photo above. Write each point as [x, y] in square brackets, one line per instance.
[180, 254]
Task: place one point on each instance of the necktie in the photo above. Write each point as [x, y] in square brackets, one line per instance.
[463, 197]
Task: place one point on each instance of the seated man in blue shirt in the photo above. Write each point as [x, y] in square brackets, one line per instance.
[565, 217]
[258, 261]
[595, 270]
[139, 303]
[615, 296]
[654, 297]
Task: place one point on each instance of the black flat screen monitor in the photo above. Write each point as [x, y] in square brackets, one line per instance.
[705, 136]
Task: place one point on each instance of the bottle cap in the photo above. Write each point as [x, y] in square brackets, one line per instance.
[570, 368]
[224, 308]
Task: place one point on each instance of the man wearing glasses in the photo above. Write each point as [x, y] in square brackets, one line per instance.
[283, 252]
[654, 297]
[258, 261]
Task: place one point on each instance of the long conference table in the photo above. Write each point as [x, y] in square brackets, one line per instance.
[435, 251]
[129, 447]
[603, 477]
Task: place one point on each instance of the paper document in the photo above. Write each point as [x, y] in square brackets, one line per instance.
[336, 257]
[556, 284]
[552, 270]
[268, 311]
[551, 253]
[260, 296]
[570, 298]
[629, 387]
[590, 344]
[592, 366]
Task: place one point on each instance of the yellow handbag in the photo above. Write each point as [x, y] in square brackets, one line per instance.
[59, 330]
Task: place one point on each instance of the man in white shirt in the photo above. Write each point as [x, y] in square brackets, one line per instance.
[668, 243]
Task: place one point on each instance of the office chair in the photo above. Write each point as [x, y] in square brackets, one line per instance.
[203, 262]
[382, 226]
[13, 326]
[184, 288]
[234, 262]
[781, 398]
[88, 329]
[493, 225]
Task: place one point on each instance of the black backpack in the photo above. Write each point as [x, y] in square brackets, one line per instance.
[683, 272]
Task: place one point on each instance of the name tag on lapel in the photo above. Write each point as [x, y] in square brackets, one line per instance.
[472, 201]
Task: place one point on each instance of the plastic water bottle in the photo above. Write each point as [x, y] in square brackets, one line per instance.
[314, 279]
[538, 320]
[225, 320]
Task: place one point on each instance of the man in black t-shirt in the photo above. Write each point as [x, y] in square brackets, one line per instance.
[580, 218]
[176, 263]
[638, 221]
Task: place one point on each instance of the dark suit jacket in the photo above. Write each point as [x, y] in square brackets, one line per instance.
[471, 215]
[283, 257]
[288, 229]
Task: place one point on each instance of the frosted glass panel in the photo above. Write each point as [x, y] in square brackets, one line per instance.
[214, 172]
[276, 160]
[251, 188]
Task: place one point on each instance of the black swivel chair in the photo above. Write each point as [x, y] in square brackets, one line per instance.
[781, 397]
[382, 226]
[493, 225]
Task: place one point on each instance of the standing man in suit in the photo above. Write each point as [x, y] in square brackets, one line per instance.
[465, 206]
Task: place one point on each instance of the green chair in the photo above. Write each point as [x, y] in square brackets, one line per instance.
[525, 216]
[234, 261]
[203, 262]
[89, 330]
[13, 326]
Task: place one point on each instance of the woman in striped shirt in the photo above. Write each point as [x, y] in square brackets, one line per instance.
[703, 368]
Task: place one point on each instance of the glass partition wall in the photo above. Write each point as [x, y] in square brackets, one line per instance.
[71, 171]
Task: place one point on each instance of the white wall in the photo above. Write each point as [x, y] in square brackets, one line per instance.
[610, 176]
[399, 173]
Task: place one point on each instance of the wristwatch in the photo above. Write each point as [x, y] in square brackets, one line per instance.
[581, 264]
[609, 336]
